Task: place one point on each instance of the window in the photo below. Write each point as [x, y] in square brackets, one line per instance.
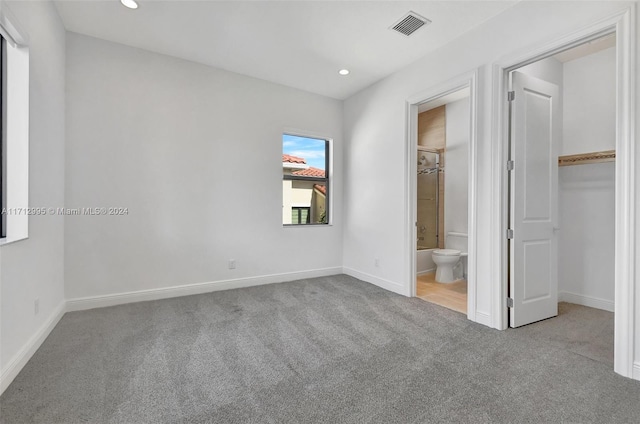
[3, 143]
[305, 180]
[300, 215]
[14, 129]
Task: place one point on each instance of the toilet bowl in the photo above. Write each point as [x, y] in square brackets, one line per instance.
[445, 260]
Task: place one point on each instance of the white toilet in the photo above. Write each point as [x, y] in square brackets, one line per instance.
[446, 260]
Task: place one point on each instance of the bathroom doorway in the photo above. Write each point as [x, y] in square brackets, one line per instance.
[442, 187]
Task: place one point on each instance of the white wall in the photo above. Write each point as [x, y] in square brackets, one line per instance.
[456, 175]
[587, 234]
[590, 103]
[586, 263]
[548, 69]
[33, 268]
[195, 154]
[375, 130]
[424, 261]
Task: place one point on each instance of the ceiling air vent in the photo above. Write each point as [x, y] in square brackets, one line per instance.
[410, 23]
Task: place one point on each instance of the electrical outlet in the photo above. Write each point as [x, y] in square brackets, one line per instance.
[232, 264]
[376, 262]
[36, 306]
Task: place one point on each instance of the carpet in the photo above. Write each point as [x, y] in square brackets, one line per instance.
[324, 350]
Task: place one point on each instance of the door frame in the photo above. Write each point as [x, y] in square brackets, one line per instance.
[624, 26]
[466, 80]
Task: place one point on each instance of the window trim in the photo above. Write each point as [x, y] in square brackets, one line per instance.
[3, 139]
[15, 127]
[327, 180]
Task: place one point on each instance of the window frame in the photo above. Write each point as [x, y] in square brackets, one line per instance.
[15, 128]
[3, 139]
[326, 181]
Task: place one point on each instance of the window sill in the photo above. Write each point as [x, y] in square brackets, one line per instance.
[306, 225]
[7, 240]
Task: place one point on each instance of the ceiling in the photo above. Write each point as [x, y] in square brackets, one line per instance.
[300, 44]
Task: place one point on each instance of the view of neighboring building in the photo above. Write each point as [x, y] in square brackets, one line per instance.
[303, 200]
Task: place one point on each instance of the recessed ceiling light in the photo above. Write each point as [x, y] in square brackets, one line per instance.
[131, 4]
[343, 72]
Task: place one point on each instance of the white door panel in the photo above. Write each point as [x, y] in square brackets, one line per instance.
[535, 137]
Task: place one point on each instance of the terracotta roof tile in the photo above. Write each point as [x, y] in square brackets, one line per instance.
[322, 189]
[310, 172]
[292, 159]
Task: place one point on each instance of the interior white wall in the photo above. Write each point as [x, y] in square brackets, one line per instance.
[587, 192]
[33, 268]
[194, 153]
[586, 266]
[424, 261]
[548, 69]
[375, 130]
[456, 165]
[590, 103]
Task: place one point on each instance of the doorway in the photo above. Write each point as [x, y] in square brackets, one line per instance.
[562, 192]
[442, 200]
[512, 285]
[561, 256]
[442, 180]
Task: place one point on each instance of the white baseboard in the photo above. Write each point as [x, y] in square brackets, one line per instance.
[21, 358]
[592, 302]
[427, 271]
[635, 374]
[377, 281]
[84, 303]
[484, 319]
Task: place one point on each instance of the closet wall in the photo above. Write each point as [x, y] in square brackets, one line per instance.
[587, 192]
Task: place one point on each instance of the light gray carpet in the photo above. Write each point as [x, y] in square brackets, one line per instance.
[326, 350]
[581, 330]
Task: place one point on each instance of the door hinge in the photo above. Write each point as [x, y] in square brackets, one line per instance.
[509, 302]
[510, 165]
[511, 96]
[509, 234]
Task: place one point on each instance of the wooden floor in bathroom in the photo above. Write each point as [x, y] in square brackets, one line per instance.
[450, 295]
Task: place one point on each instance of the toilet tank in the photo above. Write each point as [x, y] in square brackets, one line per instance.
[457, 241]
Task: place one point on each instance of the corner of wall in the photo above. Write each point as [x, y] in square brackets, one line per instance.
[20, 359]
[377, 281]
[636, 371]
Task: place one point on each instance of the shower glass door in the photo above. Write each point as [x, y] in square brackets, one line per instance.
[428, 166]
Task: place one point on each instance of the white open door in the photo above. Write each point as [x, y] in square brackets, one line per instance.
[533, 249]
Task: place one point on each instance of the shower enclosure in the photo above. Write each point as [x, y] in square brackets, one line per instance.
[428, 198]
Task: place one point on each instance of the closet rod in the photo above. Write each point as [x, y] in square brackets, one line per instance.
[583, 158]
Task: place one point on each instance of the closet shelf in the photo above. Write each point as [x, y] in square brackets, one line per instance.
[583, 158]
